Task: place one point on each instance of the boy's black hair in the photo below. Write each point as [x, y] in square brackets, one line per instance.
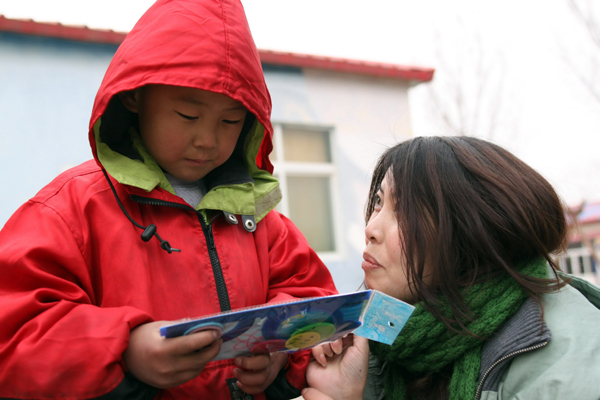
[114, 128]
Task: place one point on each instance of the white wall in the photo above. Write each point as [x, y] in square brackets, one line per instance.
[368, 115]
[47, 89]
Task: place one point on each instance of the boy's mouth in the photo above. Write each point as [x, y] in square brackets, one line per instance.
[196, 162]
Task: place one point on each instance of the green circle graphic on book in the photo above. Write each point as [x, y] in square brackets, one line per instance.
[310, 335]
[289, 326]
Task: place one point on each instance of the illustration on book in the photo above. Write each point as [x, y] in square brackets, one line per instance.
[301, 324]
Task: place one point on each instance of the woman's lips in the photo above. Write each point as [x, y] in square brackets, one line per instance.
[369, 263]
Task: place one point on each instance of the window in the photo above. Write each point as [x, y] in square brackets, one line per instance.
[569, 265]
[304, 165]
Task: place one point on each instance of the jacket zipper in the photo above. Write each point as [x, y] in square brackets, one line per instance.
[210, 244]
[495, 364]
[216, 264]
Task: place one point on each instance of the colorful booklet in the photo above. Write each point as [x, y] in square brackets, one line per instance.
[301, 324]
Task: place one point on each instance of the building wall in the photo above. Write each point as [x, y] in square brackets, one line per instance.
[47, 89]
[367, 115]
[579, 262]
[583, 249]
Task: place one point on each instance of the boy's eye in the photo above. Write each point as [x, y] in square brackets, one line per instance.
[188, 117]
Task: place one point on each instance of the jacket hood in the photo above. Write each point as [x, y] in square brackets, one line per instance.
[202, 44]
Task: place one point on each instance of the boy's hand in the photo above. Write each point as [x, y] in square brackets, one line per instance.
[344, 376]
[165, 363]
[257, 372]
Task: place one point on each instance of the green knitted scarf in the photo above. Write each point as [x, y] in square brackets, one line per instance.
[425, 345]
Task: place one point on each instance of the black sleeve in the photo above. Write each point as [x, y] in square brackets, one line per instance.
[281, 389]
[130, 388]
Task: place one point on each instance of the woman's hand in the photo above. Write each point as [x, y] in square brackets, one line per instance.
[320, 353]
[344, 375]
[313, 394]
[165, 363]
[257, 372]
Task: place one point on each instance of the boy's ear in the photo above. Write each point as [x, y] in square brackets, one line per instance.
[130, 100]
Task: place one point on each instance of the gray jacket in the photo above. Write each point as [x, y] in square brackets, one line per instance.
[530, 358]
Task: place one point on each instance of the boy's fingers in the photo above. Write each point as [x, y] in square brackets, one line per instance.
[198, 359]
[194, 342]
[251, 378]
[254, 363]
[249, 389]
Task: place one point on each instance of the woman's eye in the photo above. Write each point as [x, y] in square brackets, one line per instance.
[188, 117]
[231, 122]
[378, 201]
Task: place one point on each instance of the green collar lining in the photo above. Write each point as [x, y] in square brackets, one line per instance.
[250, 198]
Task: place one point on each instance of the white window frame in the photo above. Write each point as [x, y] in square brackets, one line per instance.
[283, 169]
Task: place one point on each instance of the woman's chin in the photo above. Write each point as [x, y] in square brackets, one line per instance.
[371, 283]
[395, 292]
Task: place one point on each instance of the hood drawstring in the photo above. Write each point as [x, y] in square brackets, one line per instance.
[149, 230]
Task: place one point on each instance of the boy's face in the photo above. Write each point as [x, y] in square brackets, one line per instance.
[189, 132]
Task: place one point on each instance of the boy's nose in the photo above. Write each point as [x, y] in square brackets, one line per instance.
[206, 138]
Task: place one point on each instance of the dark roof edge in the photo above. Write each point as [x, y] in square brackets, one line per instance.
[107, 36]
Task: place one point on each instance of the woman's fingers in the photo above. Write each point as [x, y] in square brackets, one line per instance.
[337, 346]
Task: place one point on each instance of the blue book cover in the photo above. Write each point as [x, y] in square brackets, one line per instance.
[300, 324]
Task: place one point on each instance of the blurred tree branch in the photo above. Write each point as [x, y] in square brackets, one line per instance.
[588, 74]
[468, 95]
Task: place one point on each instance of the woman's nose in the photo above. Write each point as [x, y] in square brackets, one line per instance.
[373, 230]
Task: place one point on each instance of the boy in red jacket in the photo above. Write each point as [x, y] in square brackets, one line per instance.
[172, 219]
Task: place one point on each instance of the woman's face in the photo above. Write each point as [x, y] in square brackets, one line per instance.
[384, 262]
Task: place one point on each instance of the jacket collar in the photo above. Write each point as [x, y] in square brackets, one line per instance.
[524, 331]
[237, 187]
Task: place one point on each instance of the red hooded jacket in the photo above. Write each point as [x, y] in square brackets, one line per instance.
[75, 275]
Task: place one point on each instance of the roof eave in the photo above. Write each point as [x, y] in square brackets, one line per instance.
[102, 36]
